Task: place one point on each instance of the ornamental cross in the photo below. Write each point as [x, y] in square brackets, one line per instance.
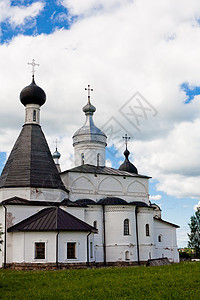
[89, 89]
[126, 139]
[33, 64]
[56, 142]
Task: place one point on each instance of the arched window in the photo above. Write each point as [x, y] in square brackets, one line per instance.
[34, 115]
[98, 159]
[160, 238]
[147, 230]
[82, 158]
[95, 224]
[126, 227]
[127, 255]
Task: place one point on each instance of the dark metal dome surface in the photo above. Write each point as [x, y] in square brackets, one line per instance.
[127, 165]
[32, 94]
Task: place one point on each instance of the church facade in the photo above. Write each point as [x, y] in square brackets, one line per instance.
[88, 215]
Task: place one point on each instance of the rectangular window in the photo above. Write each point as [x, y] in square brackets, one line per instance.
[71, 250]
[40, 250]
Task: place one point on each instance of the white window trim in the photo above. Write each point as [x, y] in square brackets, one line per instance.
[46, 253]
[76, 250]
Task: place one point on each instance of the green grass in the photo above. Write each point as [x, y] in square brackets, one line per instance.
[178, 281]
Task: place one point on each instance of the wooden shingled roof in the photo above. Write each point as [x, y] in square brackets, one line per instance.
[52, 219]
[30, 163]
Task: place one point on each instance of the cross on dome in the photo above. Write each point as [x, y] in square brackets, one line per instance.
[33, 64]
[56, 142]
[89, 90]
[126, 139]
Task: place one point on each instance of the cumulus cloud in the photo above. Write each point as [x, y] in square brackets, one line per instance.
[146, 46]
[17, 15]
[78, 7]
[155, 197]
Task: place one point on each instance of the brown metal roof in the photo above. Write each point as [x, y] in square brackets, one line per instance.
[102, 170]
[30, 163]
[52, 219]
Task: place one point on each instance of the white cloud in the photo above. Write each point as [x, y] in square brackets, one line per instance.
[147, 46]
[79, 7]
[155, 197]
[17, 15]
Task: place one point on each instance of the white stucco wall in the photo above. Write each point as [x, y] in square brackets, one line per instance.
[22, 248]
[39, 194]
[97, 186]
[168, 245]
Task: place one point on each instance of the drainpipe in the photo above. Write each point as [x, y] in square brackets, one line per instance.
[5, 232]
[57, 249]
[104, 236]
[88, 256]
[137, 239]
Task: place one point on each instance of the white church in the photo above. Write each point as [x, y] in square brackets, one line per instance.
[90, 215]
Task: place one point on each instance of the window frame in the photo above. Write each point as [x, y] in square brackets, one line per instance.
[36, 257]
[75, 250]
[147, 229]
[126, 227]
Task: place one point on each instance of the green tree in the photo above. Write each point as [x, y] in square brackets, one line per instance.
[194, 236]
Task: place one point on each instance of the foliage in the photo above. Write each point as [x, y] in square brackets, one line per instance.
[177, 281]
[187, 253]
[194, 236]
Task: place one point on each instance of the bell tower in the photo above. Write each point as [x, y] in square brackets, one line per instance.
[89, 141]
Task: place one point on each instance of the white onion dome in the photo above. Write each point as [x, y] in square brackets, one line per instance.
[89, 132]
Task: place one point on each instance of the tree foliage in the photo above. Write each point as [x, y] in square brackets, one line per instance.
[194, 236]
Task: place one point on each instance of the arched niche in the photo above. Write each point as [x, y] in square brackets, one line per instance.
[82, 184]
[136, 187]
[110, 184]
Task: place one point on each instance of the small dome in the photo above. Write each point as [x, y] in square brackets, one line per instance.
[32, 94]
[85, 201]
[112, 201]
[56, 154]
[127, 165]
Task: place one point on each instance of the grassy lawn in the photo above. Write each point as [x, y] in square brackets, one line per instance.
[179, 281]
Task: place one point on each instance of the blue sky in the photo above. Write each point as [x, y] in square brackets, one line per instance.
[108, 45]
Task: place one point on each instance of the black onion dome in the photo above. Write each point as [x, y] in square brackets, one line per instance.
[32, 94]
[127, 165]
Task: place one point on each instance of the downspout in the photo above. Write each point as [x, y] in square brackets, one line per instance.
[104, 236]
[57, 237]
[137, 239]
[88, 256]
[57, 249]
[5, 229]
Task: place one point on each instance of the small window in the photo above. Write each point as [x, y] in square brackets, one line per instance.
[91, 250]
[160, 238]
[39, 250]
[147, 230]
[71, 250]
[34, 115]
[95, 224]
[149, 255]
[98, 159]
[126, 227]
[82, 159]
[127, 255]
